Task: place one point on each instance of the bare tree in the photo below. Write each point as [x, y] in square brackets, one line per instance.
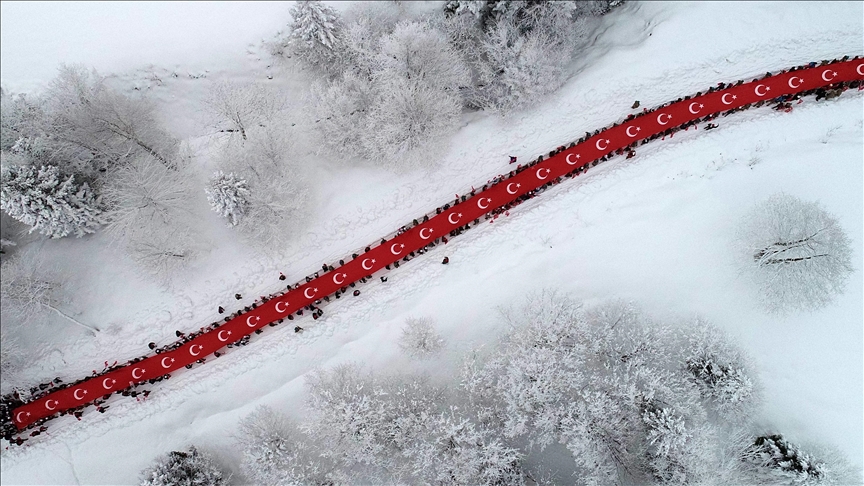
[797, 253]
[27, 290]
[236, 107]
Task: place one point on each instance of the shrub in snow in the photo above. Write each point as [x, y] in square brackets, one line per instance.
[800, 257]
[419, 338]
[316, 34]
[183, 468]
[50, 204]
[228, 195]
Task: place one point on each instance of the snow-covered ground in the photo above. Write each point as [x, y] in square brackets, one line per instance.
[657, 229]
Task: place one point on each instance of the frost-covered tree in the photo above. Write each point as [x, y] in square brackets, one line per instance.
[417, 52]
[773, 459]
[84, 114]
[799, 255]
[342, 106]
[184, 468]
[228, 195]
[278, 197]
[237, 108]
[316, 33]
[12, 359]
[49, 203]
[275, 451]
[149, 214]
[721, 372]
[419, 339]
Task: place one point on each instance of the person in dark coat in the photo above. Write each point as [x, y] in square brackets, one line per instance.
[356, 293]
[221, 310]
[446, 260]
[238, 296]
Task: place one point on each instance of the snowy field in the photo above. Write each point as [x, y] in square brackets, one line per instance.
[657, 230]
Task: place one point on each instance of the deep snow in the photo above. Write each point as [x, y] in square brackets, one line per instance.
[656, 229]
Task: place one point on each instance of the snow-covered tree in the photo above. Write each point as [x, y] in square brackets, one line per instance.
[773, 459]
[419, 339]
[417, 52]
[228, 195]
[12, 359]
[49, 203]
[84, 117]
[149, 215]
[720, 371]
[342, 106]
[275, 451]
[184, 468]
[518, 69]
[237, 108]
[409, 124]
[278, 197]
[315, 34]
[799, 255]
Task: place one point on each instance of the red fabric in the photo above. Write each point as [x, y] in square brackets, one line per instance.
[496, 196]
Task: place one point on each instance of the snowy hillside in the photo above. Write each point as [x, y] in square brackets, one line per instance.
[657, 230]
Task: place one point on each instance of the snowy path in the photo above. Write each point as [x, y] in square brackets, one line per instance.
[505, 192]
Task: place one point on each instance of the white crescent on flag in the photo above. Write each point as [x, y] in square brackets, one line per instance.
[363, 264]
[539, 176]
[827, 79]
[18, 417]
[49, 406]
[250, 318]
[339, 282]
[723, 98]
[696, 111]
[219, 336]
[859, 71]
[514, 190]
[106, 386]
[660, 118]
[450, 218]
[602, 140]
[277, 306]
[756, 89]
[792, 82]
[306, 292]
[167, 365]
[631, 135]
[480, 202]
[136, 376]
[393, 248]
[573, 162]
[192, 349]
[427, 236]
[76, 394]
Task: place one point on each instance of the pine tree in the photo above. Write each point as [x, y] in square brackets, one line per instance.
[316, 33]
[190, 468]
[48, 204]
[779, 459]
[228, 195]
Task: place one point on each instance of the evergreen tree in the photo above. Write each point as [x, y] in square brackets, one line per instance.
[41, 199]
[316, 33]
[190, 468]
[228, 195]
[779, 459]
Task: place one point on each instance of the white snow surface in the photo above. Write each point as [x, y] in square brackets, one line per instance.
[657, 229]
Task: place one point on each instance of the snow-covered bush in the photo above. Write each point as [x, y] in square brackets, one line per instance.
[419, 338]
[799, 256]
[773, 459]
[184, 468]
[417, 52]
[275, 451]
[49, 203]
[228, 195]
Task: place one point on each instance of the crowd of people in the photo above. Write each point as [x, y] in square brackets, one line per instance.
[13, 400]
